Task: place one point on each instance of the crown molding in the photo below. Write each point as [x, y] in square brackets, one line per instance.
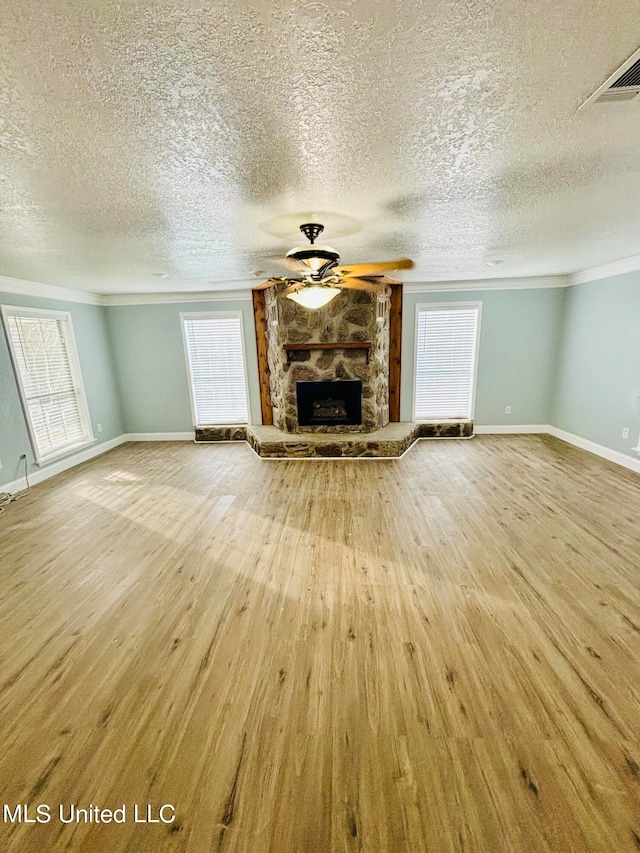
[65, 294]
[606, 271]
[48, 291]
[530, 283]
[161, 298]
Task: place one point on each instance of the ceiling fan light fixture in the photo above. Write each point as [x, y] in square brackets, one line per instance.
[314, 295]
[322, 278]
[314, 258]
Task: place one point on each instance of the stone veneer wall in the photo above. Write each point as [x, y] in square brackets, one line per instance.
[275, 357]
[380, 363]
[350, 317]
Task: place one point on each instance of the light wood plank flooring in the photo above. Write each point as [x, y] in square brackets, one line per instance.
[434, 654]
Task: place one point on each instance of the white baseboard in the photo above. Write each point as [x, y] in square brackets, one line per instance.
[61, 465]
[46, 471]
[510, 429]
[576, 440]
[599, 449]
[160, 436]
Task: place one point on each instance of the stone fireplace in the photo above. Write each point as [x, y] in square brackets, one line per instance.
[315, 366]
[329, 367]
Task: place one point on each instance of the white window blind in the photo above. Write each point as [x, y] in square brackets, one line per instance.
[215, 355]
[48, 374]
[446, 345]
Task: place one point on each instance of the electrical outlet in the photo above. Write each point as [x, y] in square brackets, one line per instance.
[0, 464]
[625, 432]
[507, 410]
[99, 427]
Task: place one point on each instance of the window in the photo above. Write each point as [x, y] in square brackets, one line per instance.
[215, 357]
[45, 360]
[446, 360]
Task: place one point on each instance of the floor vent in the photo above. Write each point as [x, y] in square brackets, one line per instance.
[623, 85]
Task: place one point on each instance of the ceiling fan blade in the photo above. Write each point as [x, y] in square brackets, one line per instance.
[276, 259]
[268, 283]
[289, 263]
[297, 285]
[373, 268]
[360, 284]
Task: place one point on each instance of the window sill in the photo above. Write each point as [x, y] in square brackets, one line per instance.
[66, 451]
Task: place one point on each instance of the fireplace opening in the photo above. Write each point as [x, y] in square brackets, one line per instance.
[334, 403]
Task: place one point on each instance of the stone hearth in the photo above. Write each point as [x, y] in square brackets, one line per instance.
[391, 441]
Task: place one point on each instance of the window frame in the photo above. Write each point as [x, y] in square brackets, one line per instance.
[69, 339]
[447, 306]
[214, 315]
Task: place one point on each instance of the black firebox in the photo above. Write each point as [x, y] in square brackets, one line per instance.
[337, 403]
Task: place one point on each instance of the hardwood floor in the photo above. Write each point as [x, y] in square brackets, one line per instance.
[434, 654]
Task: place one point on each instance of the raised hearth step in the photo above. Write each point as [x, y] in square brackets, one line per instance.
[445, 429]
[390, 442]
[221, 433]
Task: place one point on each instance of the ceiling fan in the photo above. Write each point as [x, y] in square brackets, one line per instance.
[321, 277]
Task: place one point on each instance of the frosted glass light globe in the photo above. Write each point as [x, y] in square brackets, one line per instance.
[314, 295]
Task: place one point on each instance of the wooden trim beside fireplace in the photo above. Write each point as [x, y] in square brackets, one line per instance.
[264, 374]
[395, 352]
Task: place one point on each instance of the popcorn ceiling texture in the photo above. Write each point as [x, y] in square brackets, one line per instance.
[157, 137]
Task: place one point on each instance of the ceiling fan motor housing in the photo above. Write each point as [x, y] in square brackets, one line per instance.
[322, 276]
[314, 259]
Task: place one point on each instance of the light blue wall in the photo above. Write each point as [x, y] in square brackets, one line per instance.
[519, 346]
[598, 370]
[150, 362]
[569, 357]
[103, 398]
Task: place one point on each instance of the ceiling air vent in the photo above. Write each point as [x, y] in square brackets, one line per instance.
[623, 85]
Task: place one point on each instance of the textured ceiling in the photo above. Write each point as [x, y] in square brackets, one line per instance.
[140, 138]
